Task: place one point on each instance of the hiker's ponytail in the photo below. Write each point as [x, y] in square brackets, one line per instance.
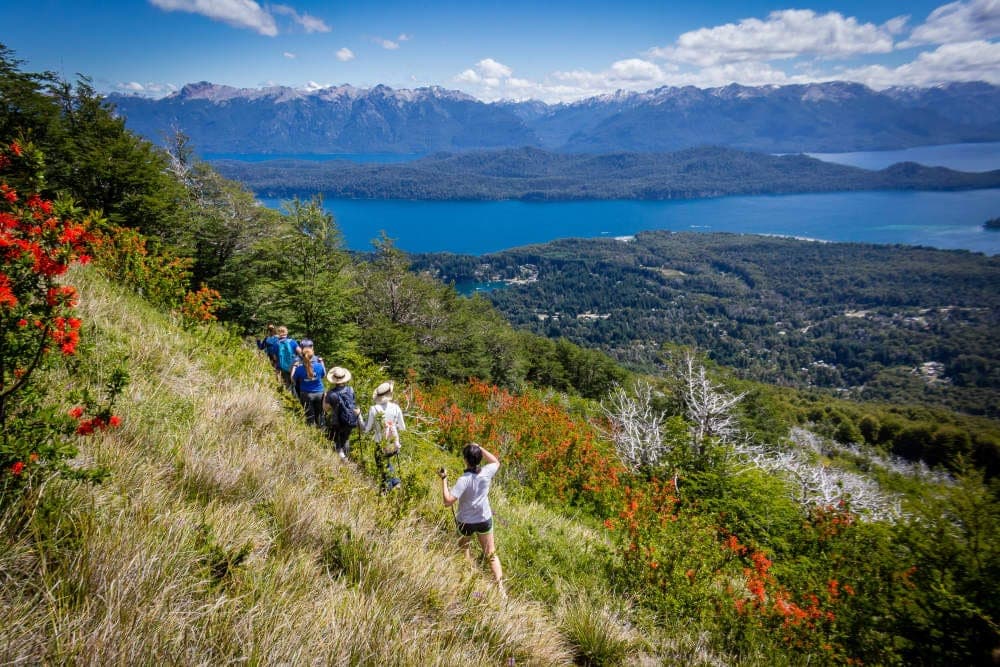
[307, 361]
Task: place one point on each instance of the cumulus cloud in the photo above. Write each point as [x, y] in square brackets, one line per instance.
[345, 54]
[289, 55]
[966, 61]
[403, 37]
[386, 44]
[784, 34]
[786, 47]
[237, 13]
[308, 23]
[958, 22]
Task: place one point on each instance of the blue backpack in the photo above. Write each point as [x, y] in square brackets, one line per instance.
[286, 354]
[342, 414]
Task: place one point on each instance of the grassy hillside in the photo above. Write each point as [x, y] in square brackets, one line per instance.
[226, 532]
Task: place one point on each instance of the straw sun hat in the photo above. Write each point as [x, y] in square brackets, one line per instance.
[383, 392]
[338, 375]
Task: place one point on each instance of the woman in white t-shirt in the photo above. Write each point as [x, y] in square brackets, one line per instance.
[475, 516]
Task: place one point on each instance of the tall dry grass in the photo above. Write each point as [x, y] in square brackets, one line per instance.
[228, 533]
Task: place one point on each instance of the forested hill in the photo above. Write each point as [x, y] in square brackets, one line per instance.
[532, 174]
[914, 325]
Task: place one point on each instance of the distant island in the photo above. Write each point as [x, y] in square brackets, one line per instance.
[992, 224]
[532, 174]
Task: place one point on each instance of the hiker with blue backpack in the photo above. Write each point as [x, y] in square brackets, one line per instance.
[287, 350]
[308, 380]
[385, 417]
[342, 411]
[269, 345]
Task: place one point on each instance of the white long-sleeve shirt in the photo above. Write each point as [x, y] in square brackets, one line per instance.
[392, 411]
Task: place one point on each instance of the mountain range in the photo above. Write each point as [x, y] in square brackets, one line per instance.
[819, 117]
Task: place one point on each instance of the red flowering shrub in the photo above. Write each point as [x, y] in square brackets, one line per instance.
[122, 255]
[39, 240]
[200, 307]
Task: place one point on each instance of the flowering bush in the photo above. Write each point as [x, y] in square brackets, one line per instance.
[200, 307]
[39, 240]
[558, 458]
[122, 255]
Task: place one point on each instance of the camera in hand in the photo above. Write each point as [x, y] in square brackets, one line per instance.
[442, 472]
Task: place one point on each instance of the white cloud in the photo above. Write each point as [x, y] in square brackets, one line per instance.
[386, 44]
[635, 69]
[403, 37]
[309, 23]
[493, 69]
[289, 55]
[967, 61]
[958, 22]
[151, 89]
[345, 54]
[785, 34]
[237, 13]
[313, 86]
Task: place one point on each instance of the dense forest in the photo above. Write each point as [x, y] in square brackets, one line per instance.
[875, 322]
[163, 500]
[532, 174]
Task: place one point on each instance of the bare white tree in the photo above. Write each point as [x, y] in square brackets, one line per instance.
[636, 426]
[709, 407]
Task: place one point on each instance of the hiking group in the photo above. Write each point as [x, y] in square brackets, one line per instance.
[332, 406]
[335, 411]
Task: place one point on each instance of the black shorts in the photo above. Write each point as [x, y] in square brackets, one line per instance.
[481, 528]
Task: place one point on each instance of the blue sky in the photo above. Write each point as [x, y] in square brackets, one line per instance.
[551, 50]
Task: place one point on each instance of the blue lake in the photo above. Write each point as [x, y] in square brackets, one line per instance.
[950, 220]
[963, 157]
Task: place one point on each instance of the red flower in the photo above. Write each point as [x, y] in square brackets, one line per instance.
[15, 148]
[17, 468]
[7, 297]
[76, 412]
[115, 421]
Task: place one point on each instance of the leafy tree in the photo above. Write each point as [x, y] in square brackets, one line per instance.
[305, 278]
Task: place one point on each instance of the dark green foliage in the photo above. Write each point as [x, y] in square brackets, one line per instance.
[531, 174]
[853, 317]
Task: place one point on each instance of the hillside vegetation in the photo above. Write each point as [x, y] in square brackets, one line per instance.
[162, 499]
[912, 325]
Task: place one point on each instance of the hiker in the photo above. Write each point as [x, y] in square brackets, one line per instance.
[342, 410]
[386, 418]
[300, 348]
[475, 517]
[308, 379]
[286, 357]
[269, 344]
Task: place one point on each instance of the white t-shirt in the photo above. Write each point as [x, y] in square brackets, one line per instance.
[472, 492]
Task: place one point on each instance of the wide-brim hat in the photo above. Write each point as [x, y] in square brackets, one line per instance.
[383, 392]
[338, 375]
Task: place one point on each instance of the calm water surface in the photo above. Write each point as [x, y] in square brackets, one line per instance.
[951, 220]
[962, 157]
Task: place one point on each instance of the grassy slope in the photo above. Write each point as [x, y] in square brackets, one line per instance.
[208, 461]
